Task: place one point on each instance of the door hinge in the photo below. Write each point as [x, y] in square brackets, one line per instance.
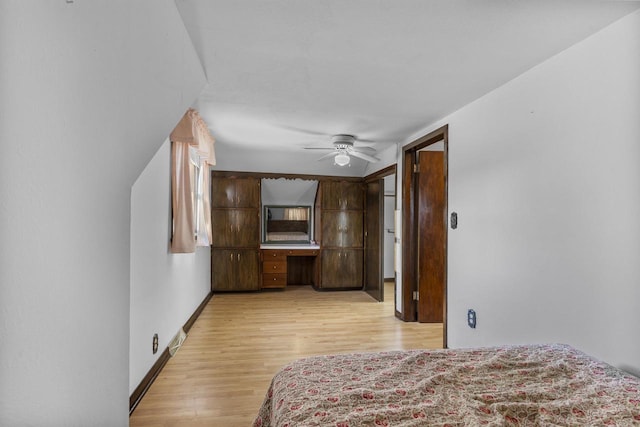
[415, 168]
[416, 296]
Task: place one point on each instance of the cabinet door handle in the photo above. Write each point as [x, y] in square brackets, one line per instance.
[231, 257]
[238, 256]
[274, 267]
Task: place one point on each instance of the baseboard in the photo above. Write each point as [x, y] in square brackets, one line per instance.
[187, 326]
[155, 370]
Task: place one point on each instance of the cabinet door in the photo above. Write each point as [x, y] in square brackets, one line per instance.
[235, 192]
[342, 268]
[342, 229]
[352, 268]
[331, 195]
[248, 270]
[223, 192]
[247, 228]
[352, 195]
[223, 228]
[223, 266]
[342, 195]
[330, 265]
[247, 193]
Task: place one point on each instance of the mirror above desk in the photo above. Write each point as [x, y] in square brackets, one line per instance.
[287, 212]
[287, 224]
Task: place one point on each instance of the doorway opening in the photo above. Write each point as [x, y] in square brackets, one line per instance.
[376, 223]
[424, 230]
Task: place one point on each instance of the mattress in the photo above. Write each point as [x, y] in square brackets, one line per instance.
[283, 236]
[514, 385]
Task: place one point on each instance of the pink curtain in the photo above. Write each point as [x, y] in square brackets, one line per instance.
[191, 131]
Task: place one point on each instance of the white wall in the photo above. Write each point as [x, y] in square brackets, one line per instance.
[166, 288]
[88, 92]
[545, 177]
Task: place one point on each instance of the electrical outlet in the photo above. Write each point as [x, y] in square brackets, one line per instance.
[155, 343]
[471, 318]
[454, 220]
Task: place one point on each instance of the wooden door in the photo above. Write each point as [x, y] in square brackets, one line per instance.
[352, 195]
[223, 192]
[247, 193]
[352, 268]
[342, 229]
[342, 268]
[431, 236]
[223, 227]
[223, 266]
[331, 195]
[246, 228]
[342, 195]
[248, 269]
[373, 251]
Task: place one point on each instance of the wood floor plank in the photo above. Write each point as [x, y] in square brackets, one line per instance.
[221, 373]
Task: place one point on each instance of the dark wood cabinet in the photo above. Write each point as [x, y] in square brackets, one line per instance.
[342, 229]
[235, 270]
[236, 228]
[342, 234]
[231, 192]
[342, 195]
[235, 225]
[342, 268]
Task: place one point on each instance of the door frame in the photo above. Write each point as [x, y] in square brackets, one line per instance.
[410, 224]
[389, 170]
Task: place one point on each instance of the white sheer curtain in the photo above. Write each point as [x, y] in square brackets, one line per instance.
[295, 214]
[191, 155]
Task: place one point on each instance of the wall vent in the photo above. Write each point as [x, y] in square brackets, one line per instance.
[176, 342]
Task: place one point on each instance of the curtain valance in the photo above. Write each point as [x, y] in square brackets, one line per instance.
[194, 131]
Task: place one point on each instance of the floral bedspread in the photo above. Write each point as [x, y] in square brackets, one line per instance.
[514, 385]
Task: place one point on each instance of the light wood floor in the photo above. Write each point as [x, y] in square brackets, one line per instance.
[220, 375]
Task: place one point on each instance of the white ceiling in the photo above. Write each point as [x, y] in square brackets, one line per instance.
[288, 74]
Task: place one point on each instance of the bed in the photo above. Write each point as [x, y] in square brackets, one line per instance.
[287, 236]
[287, 231]
[512, 385]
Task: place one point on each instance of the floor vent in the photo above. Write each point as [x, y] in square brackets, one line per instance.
[176, 342]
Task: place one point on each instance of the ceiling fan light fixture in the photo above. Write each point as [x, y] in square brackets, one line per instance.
[342, 159]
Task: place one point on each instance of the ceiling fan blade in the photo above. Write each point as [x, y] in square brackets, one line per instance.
[364, 148]
[302, 130]
[364, 156]
[363, 143]
[319, 148]
[326, 156]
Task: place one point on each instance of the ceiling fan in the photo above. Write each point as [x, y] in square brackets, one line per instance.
[344, 146]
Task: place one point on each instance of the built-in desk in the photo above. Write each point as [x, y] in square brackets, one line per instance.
[284, 265]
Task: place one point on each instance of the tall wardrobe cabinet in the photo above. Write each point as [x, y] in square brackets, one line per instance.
[235, 225]
[341, 211]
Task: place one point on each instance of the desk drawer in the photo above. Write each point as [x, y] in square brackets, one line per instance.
[274, 266]
[300, 252]
[274, 255]
[271, 280]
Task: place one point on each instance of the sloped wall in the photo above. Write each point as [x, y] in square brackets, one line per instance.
[89, 92]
